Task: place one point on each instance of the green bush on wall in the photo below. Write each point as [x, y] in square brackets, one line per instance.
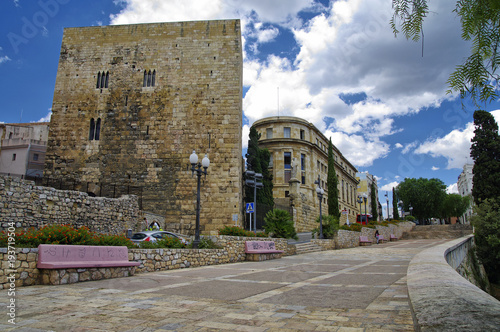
[238, 231]
[279, 224]
[330, 226]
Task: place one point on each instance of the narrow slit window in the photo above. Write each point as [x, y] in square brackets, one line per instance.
[149, 78]
[107, 80]
[145, 81]
[92, 129]
[98, 84]
[153, 79]
[97, 129]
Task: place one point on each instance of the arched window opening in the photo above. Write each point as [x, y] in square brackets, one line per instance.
[149, 78]
[107, 79]
[103, 80]
[98, 80]
[92, 129]
[154, 78]
[145, 79]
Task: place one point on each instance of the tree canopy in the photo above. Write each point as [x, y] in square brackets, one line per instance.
[485, 151]
[425, 196]
[478, 76]
[395, 212]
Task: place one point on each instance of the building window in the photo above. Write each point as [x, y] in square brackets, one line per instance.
[287, 193]
[35, 157]
[288, 166]
[149, 78]
[95, 129]
[303, 162]
[102, 80]
[13, 156]
[269, 133]
[286, 132]
[302, 134]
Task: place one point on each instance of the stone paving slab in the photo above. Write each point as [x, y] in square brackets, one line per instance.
[358, 289]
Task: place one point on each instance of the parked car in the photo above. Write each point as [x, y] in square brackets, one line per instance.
[155, 235]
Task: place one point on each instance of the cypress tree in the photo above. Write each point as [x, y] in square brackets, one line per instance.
[395, 212]
[332, 183]
[373, 198]
[485, 151]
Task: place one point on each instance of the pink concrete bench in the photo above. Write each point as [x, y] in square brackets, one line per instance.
[363, 241]
[261, 247]
[393, 237]
[381, 239]
[56, 256]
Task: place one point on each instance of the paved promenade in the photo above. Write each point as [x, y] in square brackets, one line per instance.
[359, 289]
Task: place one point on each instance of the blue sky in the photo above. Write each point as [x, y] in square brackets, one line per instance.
[336, 64]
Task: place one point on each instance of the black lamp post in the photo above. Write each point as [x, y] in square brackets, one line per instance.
[365, 198]
[320, 191]
[387, 200]
[193, 159]
[360, 200]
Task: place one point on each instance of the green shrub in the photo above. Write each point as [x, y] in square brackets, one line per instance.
[207, 243]
[410, 218]
[330, 226]
[238, 231]
[167, 242]
[279, 224]
[352, 227]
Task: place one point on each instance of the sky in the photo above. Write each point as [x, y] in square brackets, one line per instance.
[381, 99]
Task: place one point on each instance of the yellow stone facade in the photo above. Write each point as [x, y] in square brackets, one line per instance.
[131, 103]
[299, 153]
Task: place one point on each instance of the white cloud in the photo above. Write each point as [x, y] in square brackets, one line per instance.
[46, 118]
[4, 59]
[389, 186]
[398, 146]
[434, 168]
[245, 134]
[452, 189]
[408, 147]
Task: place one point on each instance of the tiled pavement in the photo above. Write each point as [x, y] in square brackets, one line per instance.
[359, 289]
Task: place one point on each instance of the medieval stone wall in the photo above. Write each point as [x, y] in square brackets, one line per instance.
[168, 89]
[27, 205]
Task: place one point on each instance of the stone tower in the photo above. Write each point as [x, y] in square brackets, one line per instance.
[131, 103]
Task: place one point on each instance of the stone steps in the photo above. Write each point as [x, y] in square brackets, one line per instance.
[307, 247]
[438, 232]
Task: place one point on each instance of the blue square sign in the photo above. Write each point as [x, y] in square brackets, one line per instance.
[249, 207]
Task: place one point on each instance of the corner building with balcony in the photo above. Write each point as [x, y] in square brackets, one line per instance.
[132, 102]
[299, 154]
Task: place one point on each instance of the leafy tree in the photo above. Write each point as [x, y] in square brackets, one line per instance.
[374, 202]
[258, 161]
[395, 212]
[454, 205]
[487, 236]
[279, 223]
[426, 196]
[330, 226]
[478, 76]
[485, 151]
[332, 183]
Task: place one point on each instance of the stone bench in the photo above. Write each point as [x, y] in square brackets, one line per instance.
[381, 239]
[363, 241]
[261, 250]
[393, 237]
[64, 264]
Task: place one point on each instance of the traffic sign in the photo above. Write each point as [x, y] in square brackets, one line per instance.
[249, 207]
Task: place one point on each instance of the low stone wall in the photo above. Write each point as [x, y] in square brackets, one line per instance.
[325, 244]
[347, 239]
[26, 205]
[441, 299]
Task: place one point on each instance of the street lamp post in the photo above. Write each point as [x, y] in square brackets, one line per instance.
[320, 191]
[387, 200]
[400, 203]
[360, 200]
[193, 159]
[365, 198]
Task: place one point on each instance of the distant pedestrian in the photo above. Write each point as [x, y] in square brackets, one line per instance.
[377, 235]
